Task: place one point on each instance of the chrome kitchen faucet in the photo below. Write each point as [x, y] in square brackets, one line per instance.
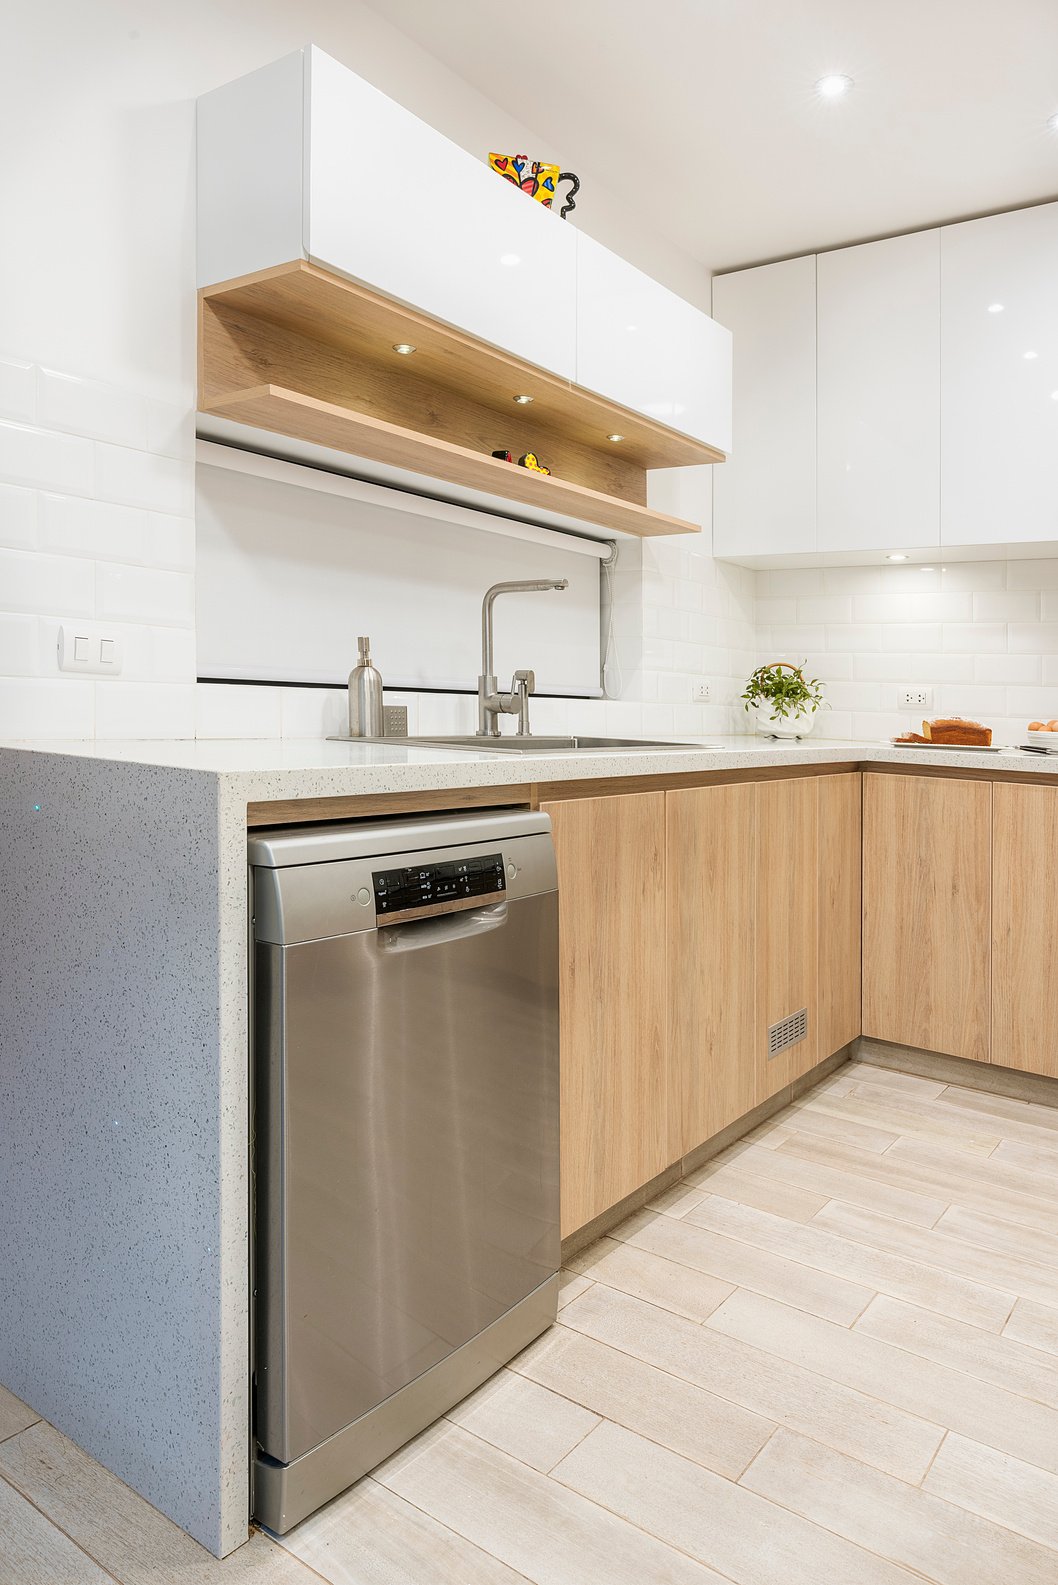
[491, 705]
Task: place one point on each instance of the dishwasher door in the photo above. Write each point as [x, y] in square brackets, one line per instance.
[407, 1156]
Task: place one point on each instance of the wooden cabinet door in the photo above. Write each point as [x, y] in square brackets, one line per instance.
[620, 1100]
[712, 905]
[839, 900]
[926, 907]
[1024, 927]
[786, 955]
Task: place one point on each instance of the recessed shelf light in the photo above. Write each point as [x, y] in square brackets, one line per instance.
[927, 569]
[510, 259]
[896, 556]
[995, 308]
[405, 348]
[1030, 355]
[523, 401]
[835, 85]
[615, 437]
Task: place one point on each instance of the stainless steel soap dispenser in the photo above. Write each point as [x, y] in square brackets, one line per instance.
[365, 695]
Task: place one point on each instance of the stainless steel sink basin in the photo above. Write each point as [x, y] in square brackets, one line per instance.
[542, 744]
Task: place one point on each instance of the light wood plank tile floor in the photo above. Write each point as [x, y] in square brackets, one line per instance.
[828, 1358]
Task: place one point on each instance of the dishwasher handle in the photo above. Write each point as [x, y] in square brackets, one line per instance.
[420, 933]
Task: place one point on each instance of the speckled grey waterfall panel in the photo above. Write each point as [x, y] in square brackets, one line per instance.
[123, 1218]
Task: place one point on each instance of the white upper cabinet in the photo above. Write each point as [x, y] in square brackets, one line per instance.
[999, 363]
[878, 395]
[304, 159]
[764, 497]
[644, 347]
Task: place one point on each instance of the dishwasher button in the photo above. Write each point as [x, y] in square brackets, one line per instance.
[512, 870]
[363, 896]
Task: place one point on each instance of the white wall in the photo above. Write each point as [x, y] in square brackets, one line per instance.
[983, 635]
[97, 326]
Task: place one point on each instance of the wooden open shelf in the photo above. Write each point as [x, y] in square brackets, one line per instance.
[306, 354]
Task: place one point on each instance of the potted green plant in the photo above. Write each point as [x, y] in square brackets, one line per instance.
[782, 701]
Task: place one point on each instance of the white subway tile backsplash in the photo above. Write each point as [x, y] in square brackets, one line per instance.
[41, 584]
[1016, 669]
[980, 701]
[18, 393]
[144, 594]
[1034, 574]
[18, 646]
[1004, 606]
[900, 636]
[974, 638]
[88, 407]
[825, 608]
[18, 516]
[975, 576]
[142, 478]
[44, 460]
[1037, 638]
[232, 710]
[171, 429]
[97, 529]
[41, 708]
[145, 709]
[172, 542]
[855, 637]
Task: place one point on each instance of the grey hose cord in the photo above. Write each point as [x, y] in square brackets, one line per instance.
[612, 676]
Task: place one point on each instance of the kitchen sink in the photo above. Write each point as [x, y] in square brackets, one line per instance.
[542, 744]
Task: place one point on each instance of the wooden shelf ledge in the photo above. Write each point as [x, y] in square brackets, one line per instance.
[302, 417]
[307, 354]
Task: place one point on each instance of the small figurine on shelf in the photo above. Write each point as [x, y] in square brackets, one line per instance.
[503, 456]
[531, 460]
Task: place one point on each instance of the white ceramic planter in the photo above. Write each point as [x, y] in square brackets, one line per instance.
[781, 725]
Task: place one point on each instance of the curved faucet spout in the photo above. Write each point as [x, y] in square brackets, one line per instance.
[492, 705]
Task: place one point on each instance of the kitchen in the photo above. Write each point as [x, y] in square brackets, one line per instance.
[685, 1210]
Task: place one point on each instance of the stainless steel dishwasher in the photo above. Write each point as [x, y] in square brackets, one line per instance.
[405, 1132]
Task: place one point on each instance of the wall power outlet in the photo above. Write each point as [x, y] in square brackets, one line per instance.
[702, 692]
[916, 698]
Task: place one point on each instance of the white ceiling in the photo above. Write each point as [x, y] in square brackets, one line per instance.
[704, 111]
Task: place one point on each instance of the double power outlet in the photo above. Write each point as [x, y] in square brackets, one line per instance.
[916, 698]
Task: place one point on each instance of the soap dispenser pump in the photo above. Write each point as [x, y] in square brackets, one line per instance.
[365, 695]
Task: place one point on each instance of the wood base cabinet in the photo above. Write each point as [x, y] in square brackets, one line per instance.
[620, 1106]
[927, 880]
[764, 910]
[1025, 927]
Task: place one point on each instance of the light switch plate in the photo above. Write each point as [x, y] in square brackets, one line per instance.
[88, 649]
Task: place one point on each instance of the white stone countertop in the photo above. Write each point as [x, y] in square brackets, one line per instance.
[286, 768]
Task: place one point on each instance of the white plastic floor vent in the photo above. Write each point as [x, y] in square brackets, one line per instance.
[787, 1032]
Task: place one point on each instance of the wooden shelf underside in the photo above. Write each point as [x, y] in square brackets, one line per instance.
[307, 418]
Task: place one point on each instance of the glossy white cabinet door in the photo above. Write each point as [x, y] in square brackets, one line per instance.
[764, 497]
[644, 347]
[999, 378]
[878, 395]
[396, 205]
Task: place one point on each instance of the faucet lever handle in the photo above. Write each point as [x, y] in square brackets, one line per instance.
[526, 677]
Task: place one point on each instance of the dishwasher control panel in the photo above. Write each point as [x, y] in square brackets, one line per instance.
[420, 890]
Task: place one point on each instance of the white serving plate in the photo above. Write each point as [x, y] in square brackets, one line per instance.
[967, 748]
[1046, 740]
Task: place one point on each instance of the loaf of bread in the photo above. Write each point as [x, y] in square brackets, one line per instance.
[911, 737]
[953, 729]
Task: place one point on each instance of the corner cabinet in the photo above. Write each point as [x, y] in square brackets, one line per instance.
[764, 909]
[334, 227]
[927, 886]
